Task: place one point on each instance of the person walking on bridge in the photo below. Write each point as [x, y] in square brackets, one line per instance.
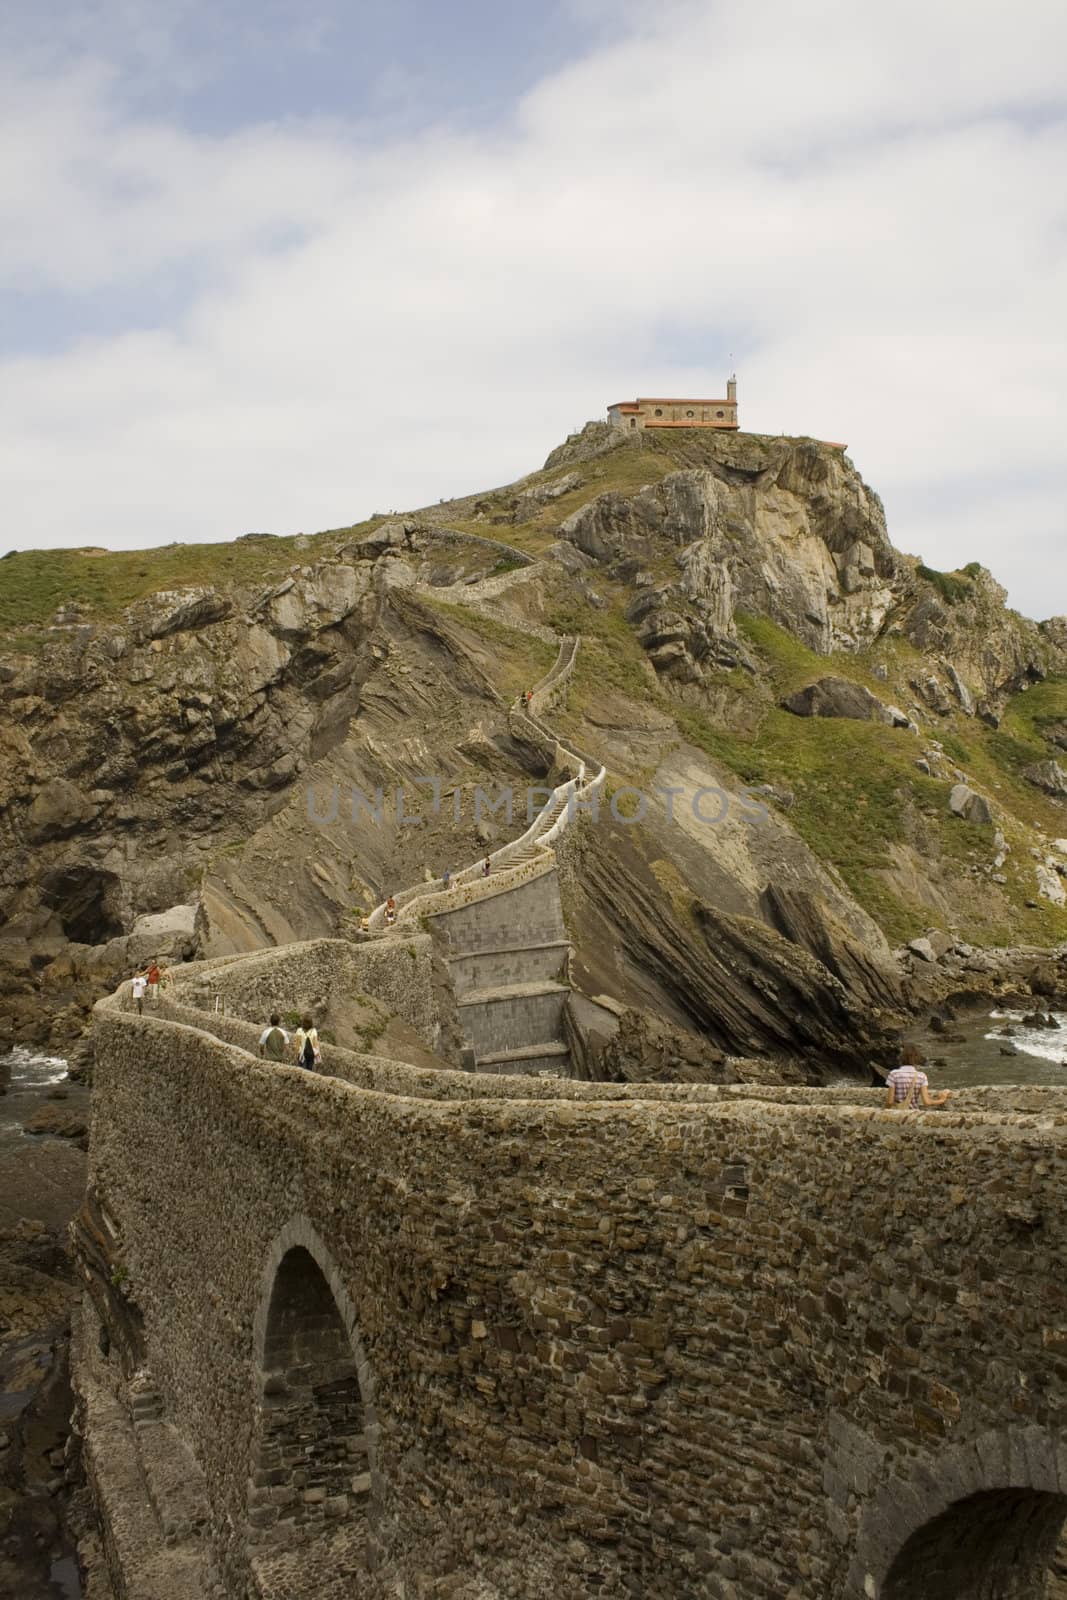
[274, 1041]
[306, 1045]
[907, 1087]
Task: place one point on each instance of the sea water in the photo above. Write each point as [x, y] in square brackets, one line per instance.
[1040, 1054]
[31, 1075]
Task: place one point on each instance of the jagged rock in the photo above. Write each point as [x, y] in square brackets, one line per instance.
[923, 949]
[531, 500]
[59, 1121]
[972, 807]
[1050, 885]
[806, 921]
[179, 611]
[60, 808]
[778, 553]
[1047, 775]
[648, 1049]
[778, 794]
[837, 697]
[930, 689]
[963, 694]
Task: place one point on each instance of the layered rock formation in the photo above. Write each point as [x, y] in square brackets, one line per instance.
[216, 766]
[786, 529]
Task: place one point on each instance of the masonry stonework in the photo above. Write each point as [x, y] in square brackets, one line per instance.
[597, 1339]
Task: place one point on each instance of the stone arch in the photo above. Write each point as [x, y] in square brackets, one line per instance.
[314, 1473]
[979, 1521]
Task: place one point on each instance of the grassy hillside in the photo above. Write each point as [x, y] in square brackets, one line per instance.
[34, 584]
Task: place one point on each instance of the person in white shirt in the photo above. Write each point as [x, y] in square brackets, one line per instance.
[274, 1041]
[139, 985]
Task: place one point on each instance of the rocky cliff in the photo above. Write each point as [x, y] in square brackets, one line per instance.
[192, 749]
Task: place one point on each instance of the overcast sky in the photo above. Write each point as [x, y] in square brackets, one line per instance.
[276, 266]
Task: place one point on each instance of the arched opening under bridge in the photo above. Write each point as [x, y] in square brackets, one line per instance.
[1000, 1544]
[312, 1453]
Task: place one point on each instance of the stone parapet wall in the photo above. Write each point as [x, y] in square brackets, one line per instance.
[305, 977]
[639, 1320]
[1004, 1105]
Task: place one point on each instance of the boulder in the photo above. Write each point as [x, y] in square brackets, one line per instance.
[923, 949]
[972, 807]
[530, 501]
[1047, 775]
[167, 928]
[59, 1120]
[1050, 885]
[837, 697]
[179, 611]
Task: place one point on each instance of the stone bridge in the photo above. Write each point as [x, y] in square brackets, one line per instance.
[405, 1332]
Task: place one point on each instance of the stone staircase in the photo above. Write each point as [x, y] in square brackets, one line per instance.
[506, 956]
[502, 932]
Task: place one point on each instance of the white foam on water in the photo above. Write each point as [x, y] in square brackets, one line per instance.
[1049, 1044]
[30, 1069]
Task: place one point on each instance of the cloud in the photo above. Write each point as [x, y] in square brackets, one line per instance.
[857, 205]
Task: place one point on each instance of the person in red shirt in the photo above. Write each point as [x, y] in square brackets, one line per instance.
[153, 978]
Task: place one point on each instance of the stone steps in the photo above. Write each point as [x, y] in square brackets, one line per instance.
[534, 1058]
[511, 991]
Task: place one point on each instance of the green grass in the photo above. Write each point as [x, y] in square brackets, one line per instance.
[520, 658]
[951, 586]
[34, 584]
[857, 789]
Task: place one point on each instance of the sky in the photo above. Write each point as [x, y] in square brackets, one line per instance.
[275, 267]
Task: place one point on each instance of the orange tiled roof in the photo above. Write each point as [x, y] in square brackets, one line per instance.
[658, 400]
[635, 405]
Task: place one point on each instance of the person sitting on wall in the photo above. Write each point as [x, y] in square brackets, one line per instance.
[908, 1087]
[274, 1041]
